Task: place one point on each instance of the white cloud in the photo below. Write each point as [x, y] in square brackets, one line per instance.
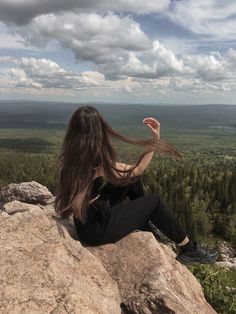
[135, 67]
[9, 59]
[44, 73]
[208, 68]
[193, 73]
[231, 58]
[157, 62]
[92, 37]
[212, 18]
[213, 67]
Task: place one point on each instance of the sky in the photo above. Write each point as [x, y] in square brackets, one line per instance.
[125, 51]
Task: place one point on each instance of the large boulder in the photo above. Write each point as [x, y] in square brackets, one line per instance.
[28, 192]
[44, 268]
[149, 277]
[41, 272]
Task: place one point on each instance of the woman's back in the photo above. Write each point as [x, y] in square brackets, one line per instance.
[99, 201]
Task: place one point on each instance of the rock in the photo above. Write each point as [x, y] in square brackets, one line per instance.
[226, 264]
[1, 203]
[46, 269]
[149, 278]
[226, 252]
[230, 289]
[27, 192]
[42, 272]
[4, 214]
[18, 207]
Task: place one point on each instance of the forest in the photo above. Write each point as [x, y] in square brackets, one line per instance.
[202, 194]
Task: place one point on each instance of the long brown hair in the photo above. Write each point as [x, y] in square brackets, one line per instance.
[86, 146]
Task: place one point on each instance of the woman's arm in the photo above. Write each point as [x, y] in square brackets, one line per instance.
[137, 171]
[154, 127]
[144, 163]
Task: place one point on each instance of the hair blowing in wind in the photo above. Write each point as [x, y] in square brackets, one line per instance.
[86, 146]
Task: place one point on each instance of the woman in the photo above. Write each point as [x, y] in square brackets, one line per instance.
[93, 186]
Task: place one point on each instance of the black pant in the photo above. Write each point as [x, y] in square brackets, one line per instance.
[110, 219]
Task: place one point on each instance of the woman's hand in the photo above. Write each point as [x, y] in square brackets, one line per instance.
[154, 126]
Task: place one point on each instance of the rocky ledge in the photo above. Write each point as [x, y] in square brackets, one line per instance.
[46, 269]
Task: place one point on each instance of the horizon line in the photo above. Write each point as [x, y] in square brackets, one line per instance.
[113, 103]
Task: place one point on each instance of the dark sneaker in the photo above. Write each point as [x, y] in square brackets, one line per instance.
[201, 254]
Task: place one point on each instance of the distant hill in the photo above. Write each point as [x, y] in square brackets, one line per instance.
[55, 115]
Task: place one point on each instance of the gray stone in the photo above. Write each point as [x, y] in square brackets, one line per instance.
[27, 192]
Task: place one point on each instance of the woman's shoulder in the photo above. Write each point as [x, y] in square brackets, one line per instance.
[119, 166]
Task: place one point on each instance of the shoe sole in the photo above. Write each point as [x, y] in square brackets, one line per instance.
[188, 261]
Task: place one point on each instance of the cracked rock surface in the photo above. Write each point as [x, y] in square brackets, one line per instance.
[41, 272]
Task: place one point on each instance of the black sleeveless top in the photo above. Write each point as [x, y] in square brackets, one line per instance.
[98, 184]
[99, 208]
